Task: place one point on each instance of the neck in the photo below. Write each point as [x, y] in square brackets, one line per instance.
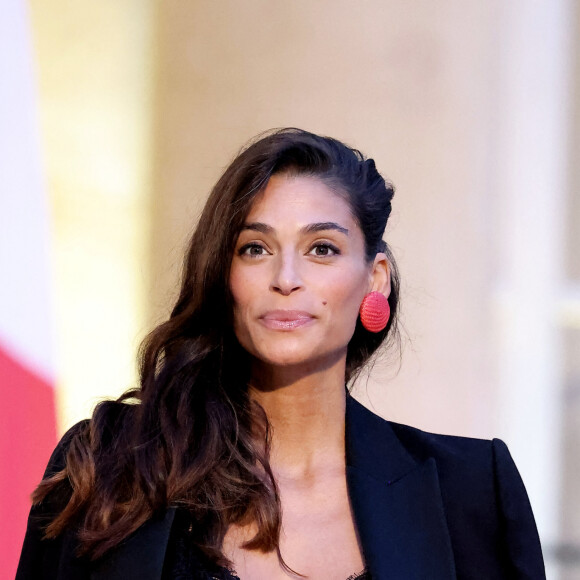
[306, 410]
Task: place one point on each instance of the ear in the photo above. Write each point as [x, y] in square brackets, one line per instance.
[380, 275]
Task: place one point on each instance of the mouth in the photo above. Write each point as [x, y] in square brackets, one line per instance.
[286, 319]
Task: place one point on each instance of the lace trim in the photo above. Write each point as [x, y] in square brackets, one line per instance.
[363, 575]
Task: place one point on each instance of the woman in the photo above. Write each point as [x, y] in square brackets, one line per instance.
[242, 454]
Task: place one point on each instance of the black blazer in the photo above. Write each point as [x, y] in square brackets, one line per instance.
[426, 507]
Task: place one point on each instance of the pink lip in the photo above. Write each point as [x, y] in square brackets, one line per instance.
[286, 319]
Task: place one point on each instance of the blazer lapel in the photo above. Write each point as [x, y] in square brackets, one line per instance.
[140, 556]
[396, 501]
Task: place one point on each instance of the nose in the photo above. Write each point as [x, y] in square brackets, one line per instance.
[286, 277]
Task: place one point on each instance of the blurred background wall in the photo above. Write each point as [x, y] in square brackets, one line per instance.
[472, 109]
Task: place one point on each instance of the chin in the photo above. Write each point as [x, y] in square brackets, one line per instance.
[309, 360]
[283, 359]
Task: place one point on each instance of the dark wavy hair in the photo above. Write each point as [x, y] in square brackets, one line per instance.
[190, 436]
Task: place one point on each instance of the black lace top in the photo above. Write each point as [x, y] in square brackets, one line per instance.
[184, 561]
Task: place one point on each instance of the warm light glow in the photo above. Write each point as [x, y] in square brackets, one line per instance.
[94, 75]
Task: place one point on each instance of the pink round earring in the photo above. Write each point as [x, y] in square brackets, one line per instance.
[374, 311]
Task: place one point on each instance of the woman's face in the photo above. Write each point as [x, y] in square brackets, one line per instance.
[299, 274]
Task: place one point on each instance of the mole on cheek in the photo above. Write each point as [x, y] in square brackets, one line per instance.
[324, 303]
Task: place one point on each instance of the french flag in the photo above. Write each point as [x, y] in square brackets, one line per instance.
[27, 371]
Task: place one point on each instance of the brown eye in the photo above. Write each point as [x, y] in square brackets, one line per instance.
[322, 250]
[252, 250]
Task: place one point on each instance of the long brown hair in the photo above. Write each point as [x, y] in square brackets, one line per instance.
[190, 436]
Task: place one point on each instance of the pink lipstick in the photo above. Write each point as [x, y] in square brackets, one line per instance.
[286, 319]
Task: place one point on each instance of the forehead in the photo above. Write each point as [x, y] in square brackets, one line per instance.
[287, 197]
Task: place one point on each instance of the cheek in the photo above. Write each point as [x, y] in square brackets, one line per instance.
[237, 286]
[245, 287]
[343, 295]
[240, 286]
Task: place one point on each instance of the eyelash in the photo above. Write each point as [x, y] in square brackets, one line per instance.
[244, 249]
[332, 247]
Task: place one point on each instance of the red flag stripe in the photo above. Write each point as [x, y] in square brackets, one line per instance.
[27, 437]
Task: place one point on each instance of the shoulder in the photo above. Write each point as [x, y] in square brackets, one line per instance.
[481, 487]
[466, 466]
[448, 450]
[43, 557]
[485, 501]
[471, 460]
[51, 557]
[57, 461]
[110, 418]
[472, 472]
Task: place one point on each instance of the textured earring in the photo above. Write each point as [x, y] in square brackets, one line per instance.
[374, 311]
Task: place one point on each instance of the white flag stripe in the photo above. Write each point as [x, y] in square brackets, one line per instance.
[24, 231]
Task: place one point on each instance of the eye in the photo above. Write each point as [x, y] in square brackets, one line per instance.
[252, 250]
[322, 249]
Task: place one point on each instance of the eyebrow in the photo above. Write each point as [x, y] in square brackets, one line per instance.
[308, 229]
